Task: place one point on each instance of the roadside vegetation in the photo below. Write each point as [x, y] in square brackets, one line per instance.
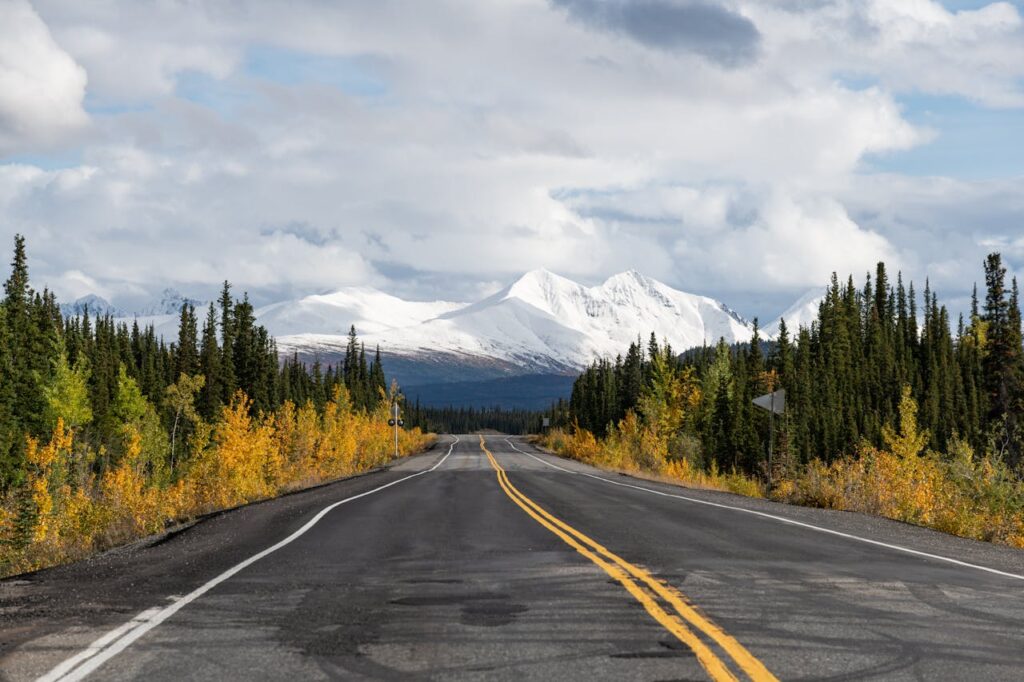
[108, 434]
[917, 423]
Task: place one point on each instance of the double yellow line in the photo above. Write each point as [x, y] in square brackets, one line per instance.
[664, 603]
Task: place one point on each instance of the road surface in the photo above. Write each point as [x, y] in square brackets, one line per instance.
[495, 561]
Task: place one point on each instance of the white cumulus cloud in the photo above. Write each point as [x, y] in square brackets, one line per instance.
[435, 149]
[41, 86]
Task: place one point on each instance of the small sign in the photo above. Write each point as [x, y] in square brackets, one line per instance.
[773, 402]
[546, 422]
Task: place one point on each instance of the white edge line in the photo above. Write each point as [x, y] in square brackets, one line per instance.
[553, 466]
[96, 646]
[792, 522]
[119, 639]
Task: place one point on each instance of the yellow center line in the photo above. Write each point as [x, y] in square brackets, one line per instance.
[621, 570]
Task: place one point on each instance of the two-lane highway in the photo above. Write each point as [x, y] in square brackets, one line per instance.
[488, 559]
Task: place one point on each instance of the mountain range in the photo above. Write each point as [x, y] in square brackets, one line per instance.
[168, 306]
[540, 324]
[530, 335]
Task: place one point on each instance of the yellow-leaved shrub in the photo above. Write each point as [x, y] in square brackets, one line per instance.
[56, 516]
[958, 493]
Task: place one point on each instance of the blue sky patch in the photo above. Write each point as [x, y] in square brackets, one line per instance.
[58, 160]
[972, 142]
[222, 96]
[957, 5]
[353, 75]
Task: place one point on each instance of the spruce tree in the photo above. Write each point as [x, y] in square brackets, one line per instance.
[378, 382]
[228, 381]
[10, 432]
[351, 362]
[211, 395]
[187, 360]
[1001, 358]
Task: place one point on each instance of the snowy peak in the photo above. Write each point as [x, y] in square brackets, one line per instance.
[170, 303]
[630, 279]
[541, 322]
[546, 322]
[93, 305]
[802, 313]
[368, 309]
[632, 288]
[544, 290]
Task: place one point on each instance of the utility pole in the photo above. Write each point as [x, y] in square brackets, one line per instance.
[771, 438]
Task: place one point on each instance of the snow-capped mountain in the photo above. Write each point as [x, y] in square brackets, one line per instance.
[163, 315]
[541, 323]
[169, 306]
[170, 303]
[546, 323]
[95, 305]
[367, 308]
[800, 314]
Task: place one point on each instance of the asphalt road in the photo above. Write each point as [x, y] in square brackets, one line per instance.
[445, 568]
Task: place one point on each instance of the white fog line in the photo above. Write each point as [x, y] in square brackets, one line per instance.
[96, 646]
[792, 522]
[553, 466]
[119, 639]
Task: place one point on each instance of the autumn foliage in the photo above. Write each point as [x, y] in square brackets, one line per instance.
[955, 492]
[888, 410]
[59, 515]
[109, 432]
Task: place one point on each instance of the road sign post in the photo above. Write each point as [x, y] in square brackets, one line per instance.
[775, 403]
[396, 422]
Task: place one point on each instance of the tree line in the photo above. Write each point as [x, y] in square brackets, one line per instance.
[96, 373]
[109, 432]
[844, 376]
[471, 419]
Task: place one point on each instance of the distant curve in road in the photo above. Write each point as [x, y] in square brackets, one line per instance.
[488, 559]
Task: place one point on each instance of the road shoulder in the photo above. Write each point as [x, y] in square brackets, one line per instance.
[874, 528]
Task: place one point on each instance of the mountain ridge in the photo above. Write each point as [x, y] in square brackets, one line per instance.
[546, 323]
[539, 323]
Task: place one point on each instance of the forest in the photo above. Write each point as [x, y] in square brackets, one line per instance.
[472, 419]
[892, 408]
[109, 432]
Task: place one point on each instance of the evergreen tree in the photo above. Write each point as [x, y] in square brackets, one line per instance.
[10, 431]
[228, 381]
[210, 355]
[187, 360]
[31, 333]
[378, 383]
[1002, 352]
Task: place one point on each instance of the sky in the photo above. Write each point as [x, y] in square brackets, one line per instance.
[741, 149]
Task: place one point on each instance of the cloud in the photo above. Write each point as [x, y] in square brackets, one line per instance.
[41, 86]
[134, 51]
[913, 47]
[943, 227]
[737, 239]
[435, 150]
[74, 284]
[709, 30]
[797, 243]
